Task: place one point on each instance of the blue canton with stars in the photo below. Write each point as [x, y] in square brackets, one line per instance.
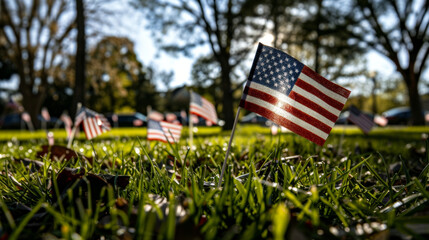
[151, 124]
[276, 69]
[195, 98]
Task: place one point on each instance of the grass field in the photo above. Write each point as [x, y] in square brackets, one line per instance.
[120, 186]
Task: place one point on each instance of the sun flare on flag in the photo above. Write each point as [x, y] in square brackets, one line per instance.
[292, 95]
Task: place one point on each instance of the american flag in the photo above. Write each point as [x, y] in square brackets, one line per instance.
[45, 114]
[154, 115]
[290, 94]
[203, 108]
[380, 120]
[94, 123]
[26, 117]
[67, 123]
[360, 119]
[163, 131]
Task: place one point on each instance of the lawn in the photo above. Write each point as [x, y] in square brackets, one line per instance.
[120, 186]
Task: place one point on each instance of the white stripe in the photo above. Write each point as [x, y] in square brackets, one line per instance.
[322, 88]
[316, 100]
[282, 97]
[96, 126]
[87, 128]
[288, 116]
[204, 112]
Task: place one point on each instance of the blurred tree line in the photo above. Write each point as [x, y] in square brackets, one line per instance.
[331, 36]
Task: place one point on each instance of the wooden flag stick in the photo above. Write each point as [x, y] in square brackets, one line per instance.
[79, 105]
[229, 147]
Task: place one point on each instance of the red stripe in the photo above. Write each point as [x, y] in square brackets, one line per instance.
[283, 122]
[290, 109]
[328, 84]
[87, 129]
[313, 106]
[311, 89]
[205, 114]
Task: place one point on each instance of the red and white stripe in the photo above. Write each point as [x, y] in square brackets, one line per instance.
[94, 126]
[170, 132]
[310, 110]
[206, 111]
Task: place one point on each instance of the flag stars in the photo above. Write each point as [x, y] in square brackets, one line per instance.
[296, 70]
[289, 66]
[290, 72]
[271, 73]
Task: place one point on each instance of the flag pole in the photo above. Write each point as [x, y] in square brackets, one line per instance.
[190, 122]
[229, 147]
[79, 106]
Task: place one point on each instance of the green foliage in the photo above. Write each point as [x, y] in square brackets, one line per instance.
[275, 187]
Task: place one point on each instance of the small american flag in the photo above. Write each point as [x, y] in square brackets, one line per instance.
[360, 119]
[67, 123]
[290, 94]
[380, 120]
[94, 123]
[203, 108]
[163, 131]
[154, 115]
[26, 117]
[45, 114]
[170, 117]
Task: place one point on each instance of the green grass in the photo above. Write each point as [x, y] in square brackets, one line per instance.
[281, 186]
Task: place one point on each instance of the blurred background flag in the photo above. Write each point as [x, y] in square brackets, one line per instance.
[154, 115]
[27, 119]
[203, 108]
[380, 120]
[94, 123]
[361, 120]
[170, 117]
[163, 131]
[45, 114]
[67, 123]
[290, 94]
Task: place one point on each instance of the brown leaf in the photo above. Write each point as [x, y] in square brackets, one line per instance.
[58, 152]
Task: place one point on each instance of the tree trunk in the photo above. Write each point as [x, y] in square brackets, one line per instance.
[227, 99]
[417, 117]
[79, 87]
[32, 103]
